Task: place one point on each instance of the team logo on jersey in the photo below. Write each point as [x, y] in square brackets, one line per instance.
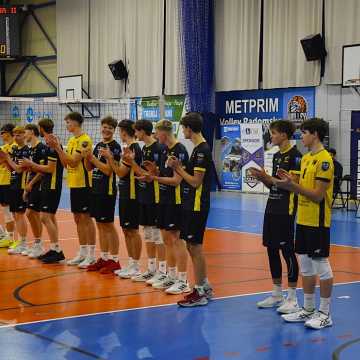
[325, 165]
[200, 157]
[181, 156]
[156, 157]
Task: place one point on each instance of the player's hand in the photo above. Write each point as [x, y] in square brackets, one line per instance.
[151, 167]
[285, 182]
[52, 141]
[106, 153]
[25, 195]
[28, 187]
[86, 153]
[258, 174]
[173, 162]
[3, 155]
[128, 156]
[145, 178]
[283, 174]
[25, 163]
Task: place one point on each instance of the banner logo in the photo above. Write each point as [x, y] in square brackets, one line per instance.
[297, 108]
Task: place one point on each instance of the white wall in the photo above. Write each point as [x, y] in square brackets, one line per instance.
[333, 104]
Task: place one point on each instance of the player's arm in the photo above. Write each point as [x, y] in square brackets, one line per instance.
[66, 159]
[92, 162]
[261, 175]
[34, 180]
[194, 180]
[175, 180]
[49, 168]
[120, 169]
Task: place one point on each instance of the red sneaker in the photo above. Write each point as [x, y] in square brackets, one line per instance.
[195, 298]
[110, 267]
[100, 263]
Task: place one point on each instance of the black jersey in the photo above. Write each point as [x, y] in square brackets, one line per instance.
[101, 183]
[128, 185]
[171, 194]
[200, 160]
[38, 155]
[18, 180]
[149, 193]
[52, 182]
[281, 201]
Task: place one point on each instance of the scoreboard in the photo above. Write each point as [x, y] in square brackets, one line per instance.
[9, 31]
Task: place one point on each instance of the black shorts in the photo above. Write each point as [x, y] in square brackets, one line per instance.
[169, 217]
[278, 231]
[16, 202]
[193, 225]
[312, 241]
[102, 207]
[129, 212]
[4, 194]
[34, 200]
[80, 200]
[50, 201]
[148, 214]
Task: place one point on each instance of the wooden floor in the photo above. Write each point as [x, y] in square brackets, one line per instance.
[31, 291]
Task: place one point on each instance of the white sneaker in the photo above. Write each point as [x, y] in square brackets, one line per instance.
[209, 292]
[147, 275]
[26, 251]
[17, 250]
[130, 272]
[301, 316]
[178, 288]
[319, 321]
[122, 270]
[78, 259]
[289, 306]
[156, 278]
[86, 262]
[270, 302]
[36, 250]
[164, 283]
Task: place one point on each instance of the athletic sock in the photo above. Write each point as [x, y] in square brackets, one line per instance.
[325, 305]
[114, 258]
[152, 265]
[135, 264]
[11, 235]
[104, 255]
[162, 267]
[291, 293]
[277, 290]
[83, 250]
[182, 276]
[130, 261]
[309, 302]
[37, 241]
[55, 247]
[23, 240]
[172, 272]
[91, 251]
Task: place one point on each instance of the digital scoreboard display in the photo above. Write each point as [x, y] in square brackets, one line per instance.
[9, 32]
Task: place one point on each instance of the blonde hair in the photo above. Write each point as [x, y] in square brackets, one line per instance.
[164, 125]
[19, 129]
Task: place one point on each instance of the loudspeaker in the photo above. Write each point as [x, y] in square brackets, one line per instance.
[118, 69]
[314, 47]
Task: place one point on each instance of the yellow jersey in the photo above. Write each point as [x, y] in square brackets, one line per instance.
[315, 167]
[78, 177]
[5, 173]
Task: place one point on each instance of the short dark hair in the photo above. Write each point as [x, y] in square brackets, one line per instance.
[145, 125]
[7, 128]
[127, 126]
[47, 125]
[193, 120]
[109, 120]
[75, 116]
[316, 125]
[332, 151]
[284, 126]
[33, 128]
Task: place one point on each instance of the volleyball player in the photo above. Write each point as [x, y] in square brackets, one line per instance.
[279, 219]
[149, 200]
[196, 205]
[103, 197]
[128, 198]
[38, 153]
[50, 193]
[7, 234]
[312, 240]
[169, 211]
[17, 187]
[79, 182]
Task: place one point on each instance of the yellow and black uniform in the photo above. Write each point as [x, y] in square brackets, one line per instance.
[5, 174]
[18, 180]
[78, 178]
[103, 191]
[314, 219]
[169, 210]
[38, 155]
[196, 202]
[128, 194]
[149, 193]
[279, 218]
[51, 184]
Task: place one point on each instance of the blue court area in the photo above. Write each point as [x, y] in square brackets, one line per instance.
[230, 328]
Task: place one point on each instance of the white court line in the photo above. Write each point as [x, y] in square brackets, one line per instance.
[148, 307]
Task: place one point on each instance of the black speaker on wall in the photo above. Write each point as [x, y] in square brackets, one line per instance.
[314, 47]
[118, 69]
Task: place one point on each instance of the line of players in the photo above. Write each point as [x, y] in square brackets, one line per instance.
[160, 187]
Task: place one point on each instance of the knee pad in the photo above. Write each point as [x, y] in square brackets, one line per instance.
[148, 234]
[157, 238]
[8, 216]
[307, 267]
[323, 268]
